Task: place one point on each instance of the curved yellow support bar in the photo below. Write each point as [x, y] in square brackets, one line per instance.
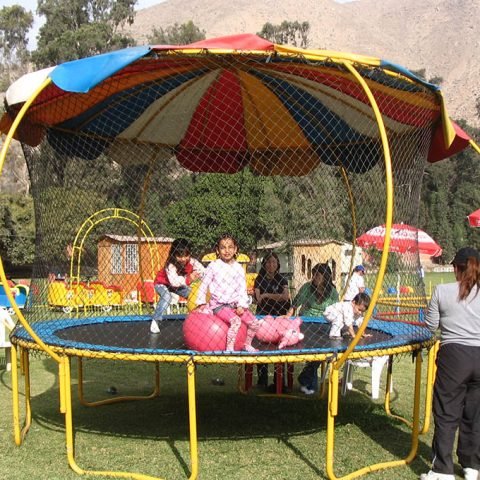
[109, 401]
[388, 215]
[99, 217]
[3, 276]
[333, 392]
[474, 146]
[383, 465]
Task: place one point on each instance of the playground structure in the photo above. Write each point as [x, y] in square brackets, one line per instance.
[114, 287]
[315, 139]
[19, 292]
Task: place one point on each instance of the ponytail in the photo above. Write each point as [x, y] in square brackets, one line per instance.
[469, 277]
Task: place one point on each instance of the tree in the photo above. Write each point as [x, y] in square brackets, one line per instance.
[81, 28]
[291, 33]
[449, 194]
[422, 74]
[176, 34]
[216, 204]
[17, 237]
[15, 22]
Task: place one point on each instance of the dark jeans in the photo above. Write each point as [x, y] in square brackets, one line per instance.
[308, 376]
[456, 405]
[262, 373]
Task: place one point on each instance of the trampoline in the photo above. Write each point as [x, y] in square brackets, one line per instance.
[131, 335]
[293, 151]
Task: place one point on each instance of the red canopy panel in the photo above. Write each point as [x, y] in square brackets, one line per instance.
[474, 218]
[438, 150]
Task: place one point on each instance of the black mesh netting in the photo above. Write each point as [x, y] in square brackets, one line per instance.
[285, 155]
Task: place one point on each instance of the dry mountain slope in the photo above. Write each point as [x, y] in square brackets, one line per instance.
[441, 36]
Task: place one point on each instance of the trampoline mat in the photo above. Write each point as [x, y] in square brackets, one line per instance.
[136, 335]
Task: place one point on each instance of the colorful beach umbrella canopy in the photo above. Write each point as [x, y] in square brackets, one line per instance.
[474, 218]
[403, 239]
[217, 106]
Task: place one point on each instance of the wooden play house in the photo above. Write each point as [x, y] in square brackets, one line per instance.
[300, 256]
[130, 261]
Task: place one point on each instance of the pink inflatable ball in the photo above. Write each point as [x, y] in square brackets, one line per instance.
[205, 332]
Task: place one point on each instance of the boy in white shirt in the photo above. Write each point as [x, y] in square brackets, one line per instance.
[356, 283]
[346, 314]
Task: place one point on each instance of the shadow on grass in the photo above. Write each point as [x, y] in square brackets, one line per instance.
[389, 433]
[223, 413]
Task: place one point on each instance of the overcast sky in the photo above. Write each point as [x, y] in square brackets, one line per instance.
[32, 6]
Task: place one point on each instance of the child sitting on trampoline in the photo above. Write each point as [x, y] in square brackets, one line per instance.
[347, 314]
[180, 271]
[225, 280]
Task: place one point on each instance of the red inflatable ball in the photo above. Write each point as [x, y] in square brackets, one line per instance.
[206, 332]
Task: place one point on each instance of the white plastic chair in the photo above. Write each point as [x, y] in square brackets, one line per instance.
[6, 326]
[375, 363]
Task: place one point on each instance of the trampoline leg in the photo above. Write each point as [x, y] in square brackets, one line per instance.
[192, 416]
[15, 398]
[290, 369]
[278, 372]
[248, 376]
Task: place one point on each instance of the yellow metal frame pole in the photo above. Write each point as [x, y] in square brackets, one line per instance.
[15, 397]
[388, 214]
[332, 409]
[3, 277]
[431, 372]
[474, 145]
[28, 404]
[383, 465]
[109, 401]
[69, 434]
[192, 416]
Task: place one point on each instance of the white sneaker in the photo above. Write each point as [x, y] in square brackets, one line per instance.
[306, 390]
[154, 328]
[470, 474]
[436, 476]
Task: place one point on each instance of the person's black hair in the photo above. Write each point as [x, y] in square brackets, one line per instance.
[224, 236]
[326, 272]
[180, 248]
[362, 298]
[265, 259]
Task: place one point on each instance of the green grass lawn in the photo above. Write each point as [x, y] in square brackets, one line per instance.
[240, 436]
[435, 278]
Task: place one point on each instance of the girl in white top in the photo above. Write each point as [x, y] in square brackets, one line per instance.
[225, 280]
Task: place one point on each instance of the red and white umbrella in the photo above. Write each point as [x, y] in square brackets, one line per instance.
[403, 238]
[474, 218]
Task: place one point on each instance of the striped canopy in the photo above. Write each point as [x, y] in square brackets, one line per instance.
[207, 102]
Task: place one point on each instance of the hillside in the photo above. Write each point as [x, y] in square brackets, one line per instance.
[441, 36]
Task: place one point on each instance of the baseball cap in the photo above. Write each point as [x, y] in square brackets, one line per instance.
[462, 255]
[359, 268]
